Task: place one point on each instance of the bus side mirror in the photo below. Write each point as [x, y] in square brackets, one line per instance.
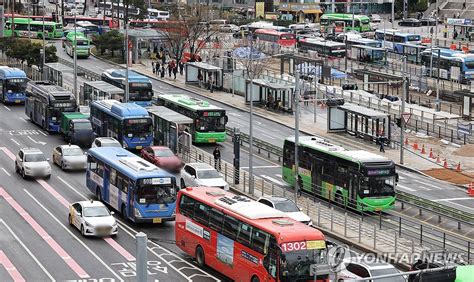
[226, 119]
[396, 177]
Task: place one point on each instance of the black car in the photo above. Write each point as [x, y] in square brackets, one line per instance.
[409, 22]
[428, 21]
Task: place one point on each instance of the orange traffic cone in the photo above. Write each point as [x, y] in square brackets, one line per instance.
[470, 189]
[415, 146]
[458, 167]
[431, 154]
[438, 160]
[445, 163]
[406, 141]
[423, 149]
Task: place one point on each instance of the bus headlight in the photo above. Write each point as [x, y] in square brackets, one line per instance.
[137, 212]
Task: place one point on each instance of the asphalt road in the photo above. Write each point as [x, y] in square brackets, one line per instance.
[274, 133]
[35, 235]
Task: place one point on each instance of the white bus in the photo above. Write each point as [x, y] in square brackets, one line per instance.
[154, 14]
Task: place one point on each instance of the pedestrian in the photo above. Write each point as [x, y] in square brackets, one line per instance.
[199, 77]
[175, 71]
[163, 71]
[217, 158]
[306, 99]
[169, 69]
[210, 84]
[157, 68]
[455, 34]
[300, 185]
[153, 66]
[181, 67]
[382, 143]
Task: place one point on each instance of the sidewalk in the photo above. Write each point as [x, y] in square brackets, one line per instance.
[412, 158]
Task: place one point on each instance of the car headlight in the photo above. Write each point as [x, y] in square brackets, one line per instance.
[226, 187]
[88, 224]
[115, 224]
[137, 212]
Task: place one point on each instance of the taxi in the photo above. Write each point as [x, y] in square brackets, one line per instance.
[92, 218]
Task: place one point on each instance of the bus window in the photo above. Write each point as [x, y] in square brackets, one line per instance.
[231, 226]
[186, 206]
[201, 213]
[216, 220]
[245, 231]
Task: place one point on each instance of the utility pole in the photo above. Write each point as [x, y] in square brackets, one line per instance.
[437, 81]
[296, 96]
[12, 8]
[75, 57]
[44, 44]
[127, 94]
[62, 12]
[252, 73]
[402, 111]
[393, 14]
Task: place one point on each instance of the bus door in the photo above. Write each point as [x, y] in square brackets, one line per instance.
[316, 171]
[106, 193]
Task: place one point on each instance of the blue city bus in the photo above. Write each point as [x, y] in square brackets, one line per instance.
[141, 191]
[12, 85]
[453, 64]
[391, 39]
[129, 123]
[46, 101]
[140, 88]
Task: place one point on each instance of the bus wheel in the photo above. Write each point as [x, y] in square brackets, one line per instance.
[255, 279]
[123, 212]
[97, 193]
[200, 257]
[338, 199]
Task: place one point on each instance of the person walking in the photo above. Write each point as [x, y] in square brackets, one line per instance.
[170, 69]
[300, 185]
[181, 67]
[217, 158]
[382, 143]
[163, 71]
[210, 84]
[175, 71]
[153, 67]
[157, 68]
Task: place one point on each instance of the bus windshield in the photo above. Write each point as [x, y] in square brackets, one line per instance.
[140, 92]
[16, 84]
[295, 265]
[156, 194]
[377, 186]
[84, 42]
[209, 124]
[137, 127]
[469, 64]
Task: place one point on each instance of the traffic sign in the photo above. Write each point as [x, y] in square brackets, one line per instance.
[465, 129]
[406, 117]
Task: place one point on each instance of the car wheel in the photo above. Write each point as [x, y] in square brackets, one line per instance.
[255, 279]
[200, 259]
[182, 184]
[16, 168]
[23, 173]
[63, 167]
[83, 232]
[338, 200]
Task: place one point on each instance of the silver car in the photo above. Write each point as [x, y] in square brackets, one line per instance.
[31, 162]
[69, 157]
[106, 142]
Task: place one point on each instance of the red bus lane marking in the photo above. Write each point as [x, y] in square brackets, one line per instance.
[43, 234]
[119, 249]
[11, 269]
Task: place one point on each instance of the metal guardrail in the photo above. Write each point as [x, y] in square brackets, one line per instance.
[259, 144]
[90, 75]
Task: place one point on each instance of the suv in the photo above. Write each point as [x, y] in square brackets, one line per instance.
[32, 162]
[105, 142]
[201, 174]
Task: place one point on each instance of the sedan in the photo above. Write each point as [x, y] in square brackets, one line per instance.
[162, 157]
[287, 206]
[409, 22]
[69, 157]
[229, 28]
[92, 218]
[201, 174]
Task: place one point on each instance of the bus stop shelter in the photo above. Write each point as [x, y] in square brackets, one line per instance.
[99, 90]
[368, 54]
[380, 82]
[359, 121]
[273, 94]
[54, 72]
[142, 39]
[412, 51]
[194, 70]
[169, 127]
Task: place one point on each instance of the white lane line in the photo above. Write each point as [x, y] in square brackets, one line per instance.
[401, 177]
[23, 119]
[41, 131]
[271, 137]
[72, 188]
[14, 141]
[260, 166]
[36, 142]
[276, 181]
[7, 108]
[279, 176]
[405, 188]
[6, 172]
[73, 235]
[425, 184]
[453, 199]
[460, 205]
[27, 250]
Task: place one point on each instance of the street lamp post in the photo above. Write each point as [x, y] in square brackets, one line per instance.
[75, 56]
[127, 90]
[44, 45]
[251, 187]
[296, 99]
[402, 111]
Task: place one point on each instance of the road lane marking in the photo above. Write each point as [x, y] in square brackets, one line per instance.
[27, 250]
[401, 177]
[23, 119]
[260, 166]
[405, 188]
[424, 183]
[43, 234]
[41, 131]
[453, 199]
[72, 234]
[6, 172]
[7, 108]
[460, 205]
[8, 153]
[14, 141]
[10, 268]
[36, 142]
[53, 192]
[121, 250]
[271, 137]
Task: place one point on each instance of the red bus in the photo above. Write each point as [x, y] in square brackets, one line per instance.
[244, 239]
[285, 39]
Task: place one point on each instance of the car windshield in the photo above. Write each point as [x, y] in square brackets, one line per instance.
[386, 271]
[377, 186]
[164, 153]
[36, 157]
[208, 174]
[295, 265]
[156, 194]
[83, 126]
[286, 206]
[72, 152]
[138, 127]
[96, 212]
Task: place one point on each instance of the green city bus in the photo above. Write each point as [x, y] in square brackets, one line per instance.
[30, 28]
[358, 179]
[361, 22]
[208, 120]
[80, 41]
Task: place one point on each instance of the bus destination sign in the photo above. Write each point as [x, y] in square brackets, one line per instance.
[156, 181]
[375, 172]
[211, 114]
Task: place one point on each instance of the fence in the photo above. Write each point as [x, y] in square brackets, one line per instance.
[380, 233]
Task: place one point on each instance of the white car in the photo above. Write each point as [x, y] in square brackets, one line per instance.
[32, 162]
[106, 142]
[356, 268]
[92, 218]
[69, 157]
[201, 174]
[229, 28]
[288, 207]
